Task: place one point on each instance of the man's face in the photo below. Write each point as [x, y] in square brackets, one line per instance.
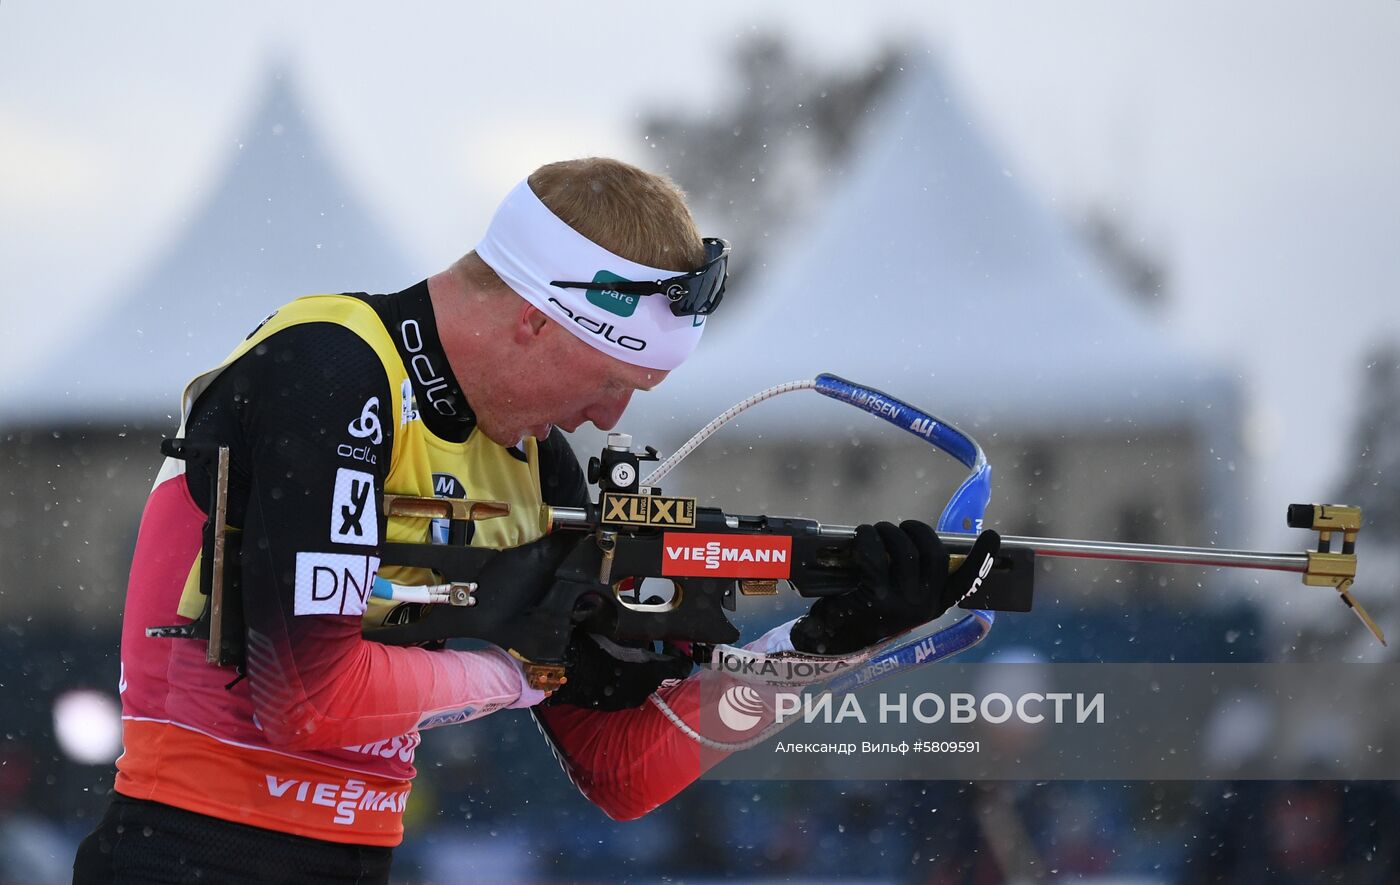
[562, 382]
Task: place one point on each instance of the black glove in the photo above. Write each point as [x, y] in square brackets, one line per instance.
[600, 680]
[529, 570]
[523, 602]
[903, 582]
[529, 573]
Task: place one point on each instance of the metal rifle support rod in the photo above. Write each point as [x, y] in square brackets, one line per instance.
[1165, 554]
[1319, 568]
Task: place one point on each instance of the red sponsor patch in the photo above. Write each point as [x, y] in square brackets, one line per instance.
[726, 556]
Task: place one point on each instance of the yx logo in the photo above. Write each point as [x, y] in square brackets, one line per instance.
[354, 514]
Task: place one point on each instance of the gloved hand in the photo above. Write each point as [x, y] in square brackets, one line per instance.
[903, 582]
[530, 608]
[528, 574]
[530, 565]
[600, 680]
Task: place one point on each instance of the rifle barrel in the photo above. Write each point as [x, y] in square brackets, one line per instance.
[1207, 557]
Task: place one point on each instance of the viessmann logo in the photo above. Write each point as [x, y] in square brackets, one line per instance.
[346, 797]
[726, 556]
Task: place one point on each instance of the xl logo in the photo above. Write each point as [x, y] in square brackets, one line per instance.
[648, 510]
[333, 583]
[354, 514]
[367, 425]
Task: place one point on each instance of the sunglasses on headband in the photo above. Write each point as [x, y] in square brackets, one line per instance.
[697, 293]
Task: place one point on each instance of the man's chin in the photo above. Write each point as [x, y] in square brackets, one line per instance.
[510, 439]
[505, 439]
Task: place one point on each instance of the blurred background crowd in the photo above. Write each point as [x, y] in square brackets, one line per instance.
[1146, 258]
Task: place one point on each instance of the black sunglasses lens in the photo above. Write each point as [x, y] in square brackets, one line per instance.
[709, 287]
[704, 292]
[693, 297]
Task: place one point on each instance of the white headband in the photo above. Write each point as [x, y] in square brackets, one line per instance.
[528, 246]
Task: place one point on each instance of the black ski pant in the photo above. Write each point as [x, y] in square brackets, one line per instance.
[149, 842]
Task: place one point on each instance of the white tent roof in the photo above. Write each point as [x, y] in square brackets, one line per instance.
[281, 223]
[936, 276]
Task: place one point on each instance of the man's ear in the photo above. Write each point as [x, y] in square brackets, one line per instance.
[530, 325]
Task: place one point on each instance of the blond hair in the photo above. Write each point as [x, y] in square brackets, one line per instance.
[628, 211]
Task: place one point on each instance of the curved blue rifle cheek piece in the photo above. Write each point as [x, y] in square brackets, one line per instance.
[968, 504]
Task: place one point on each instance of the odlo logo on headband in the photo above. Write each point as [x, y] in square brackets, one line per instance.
[613, 302]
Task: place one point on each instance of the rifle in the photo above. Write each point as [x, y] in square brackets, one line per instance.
[713, 557]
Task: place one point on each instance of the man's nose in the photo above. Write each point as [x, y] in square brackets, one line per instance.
[606, 414]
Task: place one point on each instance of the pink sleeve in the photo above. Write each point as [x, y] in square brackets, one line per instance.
[354, 691]
[629, 762]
